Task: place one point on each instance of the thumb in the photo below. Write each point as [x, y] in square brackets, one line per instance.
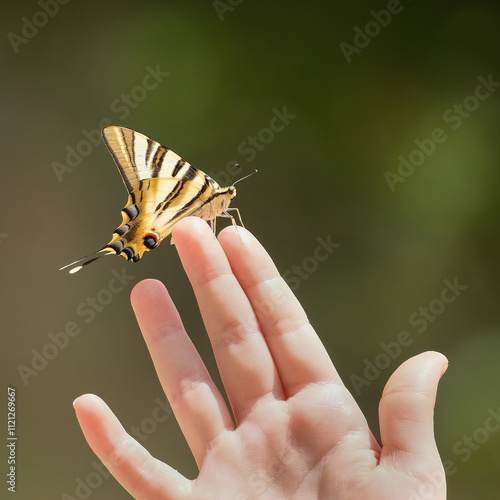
[406, 415]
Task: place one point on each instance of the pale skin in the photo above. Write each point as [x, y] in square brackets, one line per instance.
[299, 433]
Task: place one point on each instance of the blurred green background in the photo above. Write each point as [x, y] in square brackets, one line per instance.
[359, 102]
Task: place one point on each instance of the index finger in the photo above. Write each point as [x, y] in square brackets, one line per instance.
[245, 364]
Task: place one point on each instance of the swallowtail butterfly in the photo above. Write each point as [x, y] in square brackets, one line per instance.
[163, 188]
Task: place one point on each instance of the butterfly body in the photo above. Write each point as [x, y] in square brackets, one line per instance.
[163, 188]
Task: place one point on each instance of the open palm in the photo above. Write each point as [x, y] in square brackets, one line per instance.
[299, 434]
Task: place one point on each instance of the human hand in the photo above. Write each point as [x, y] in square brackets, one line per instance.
[298, 433]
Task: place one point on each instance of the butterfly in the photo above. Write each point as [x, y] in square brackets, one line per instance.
[162, 189]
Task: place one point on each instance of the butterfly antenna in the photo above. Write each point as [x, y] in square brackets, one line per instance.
[246, 176]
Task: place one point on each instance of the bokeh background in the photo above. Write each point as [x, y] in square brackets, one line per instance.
[358, 104]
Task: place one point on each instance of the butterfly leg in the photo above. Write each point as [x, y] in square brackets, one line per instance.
[232, 218]
[229, 216]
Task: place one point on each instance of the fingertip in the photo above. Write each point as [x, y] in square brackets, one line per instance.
[146, 287]
[196, 244]
[435, 363]
[189, 227]
[89, 403]
[436, 356]
[85, 400]
[89, 409]
[237, 234]
[236, 241]
[148, 284]
[418, 372]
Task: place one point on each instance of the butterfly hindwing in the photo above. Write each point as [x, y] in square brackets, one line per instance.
[157, 203]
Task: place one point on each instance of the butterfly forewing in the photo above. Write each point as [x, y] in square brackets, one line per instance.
[138, 158]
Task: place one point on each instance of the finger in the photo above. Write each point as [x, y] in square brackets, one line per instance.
[197, 403]
[245, 364]
[144, 477]
[295, 347]
[406, 412]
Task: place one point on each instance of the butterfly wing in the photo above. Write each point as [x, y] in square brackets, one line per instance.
[163, 188]
[138, 158]
[152, 210]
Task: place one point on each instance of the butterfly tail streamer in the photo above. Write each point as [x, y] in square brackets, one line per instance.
[82, 262]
